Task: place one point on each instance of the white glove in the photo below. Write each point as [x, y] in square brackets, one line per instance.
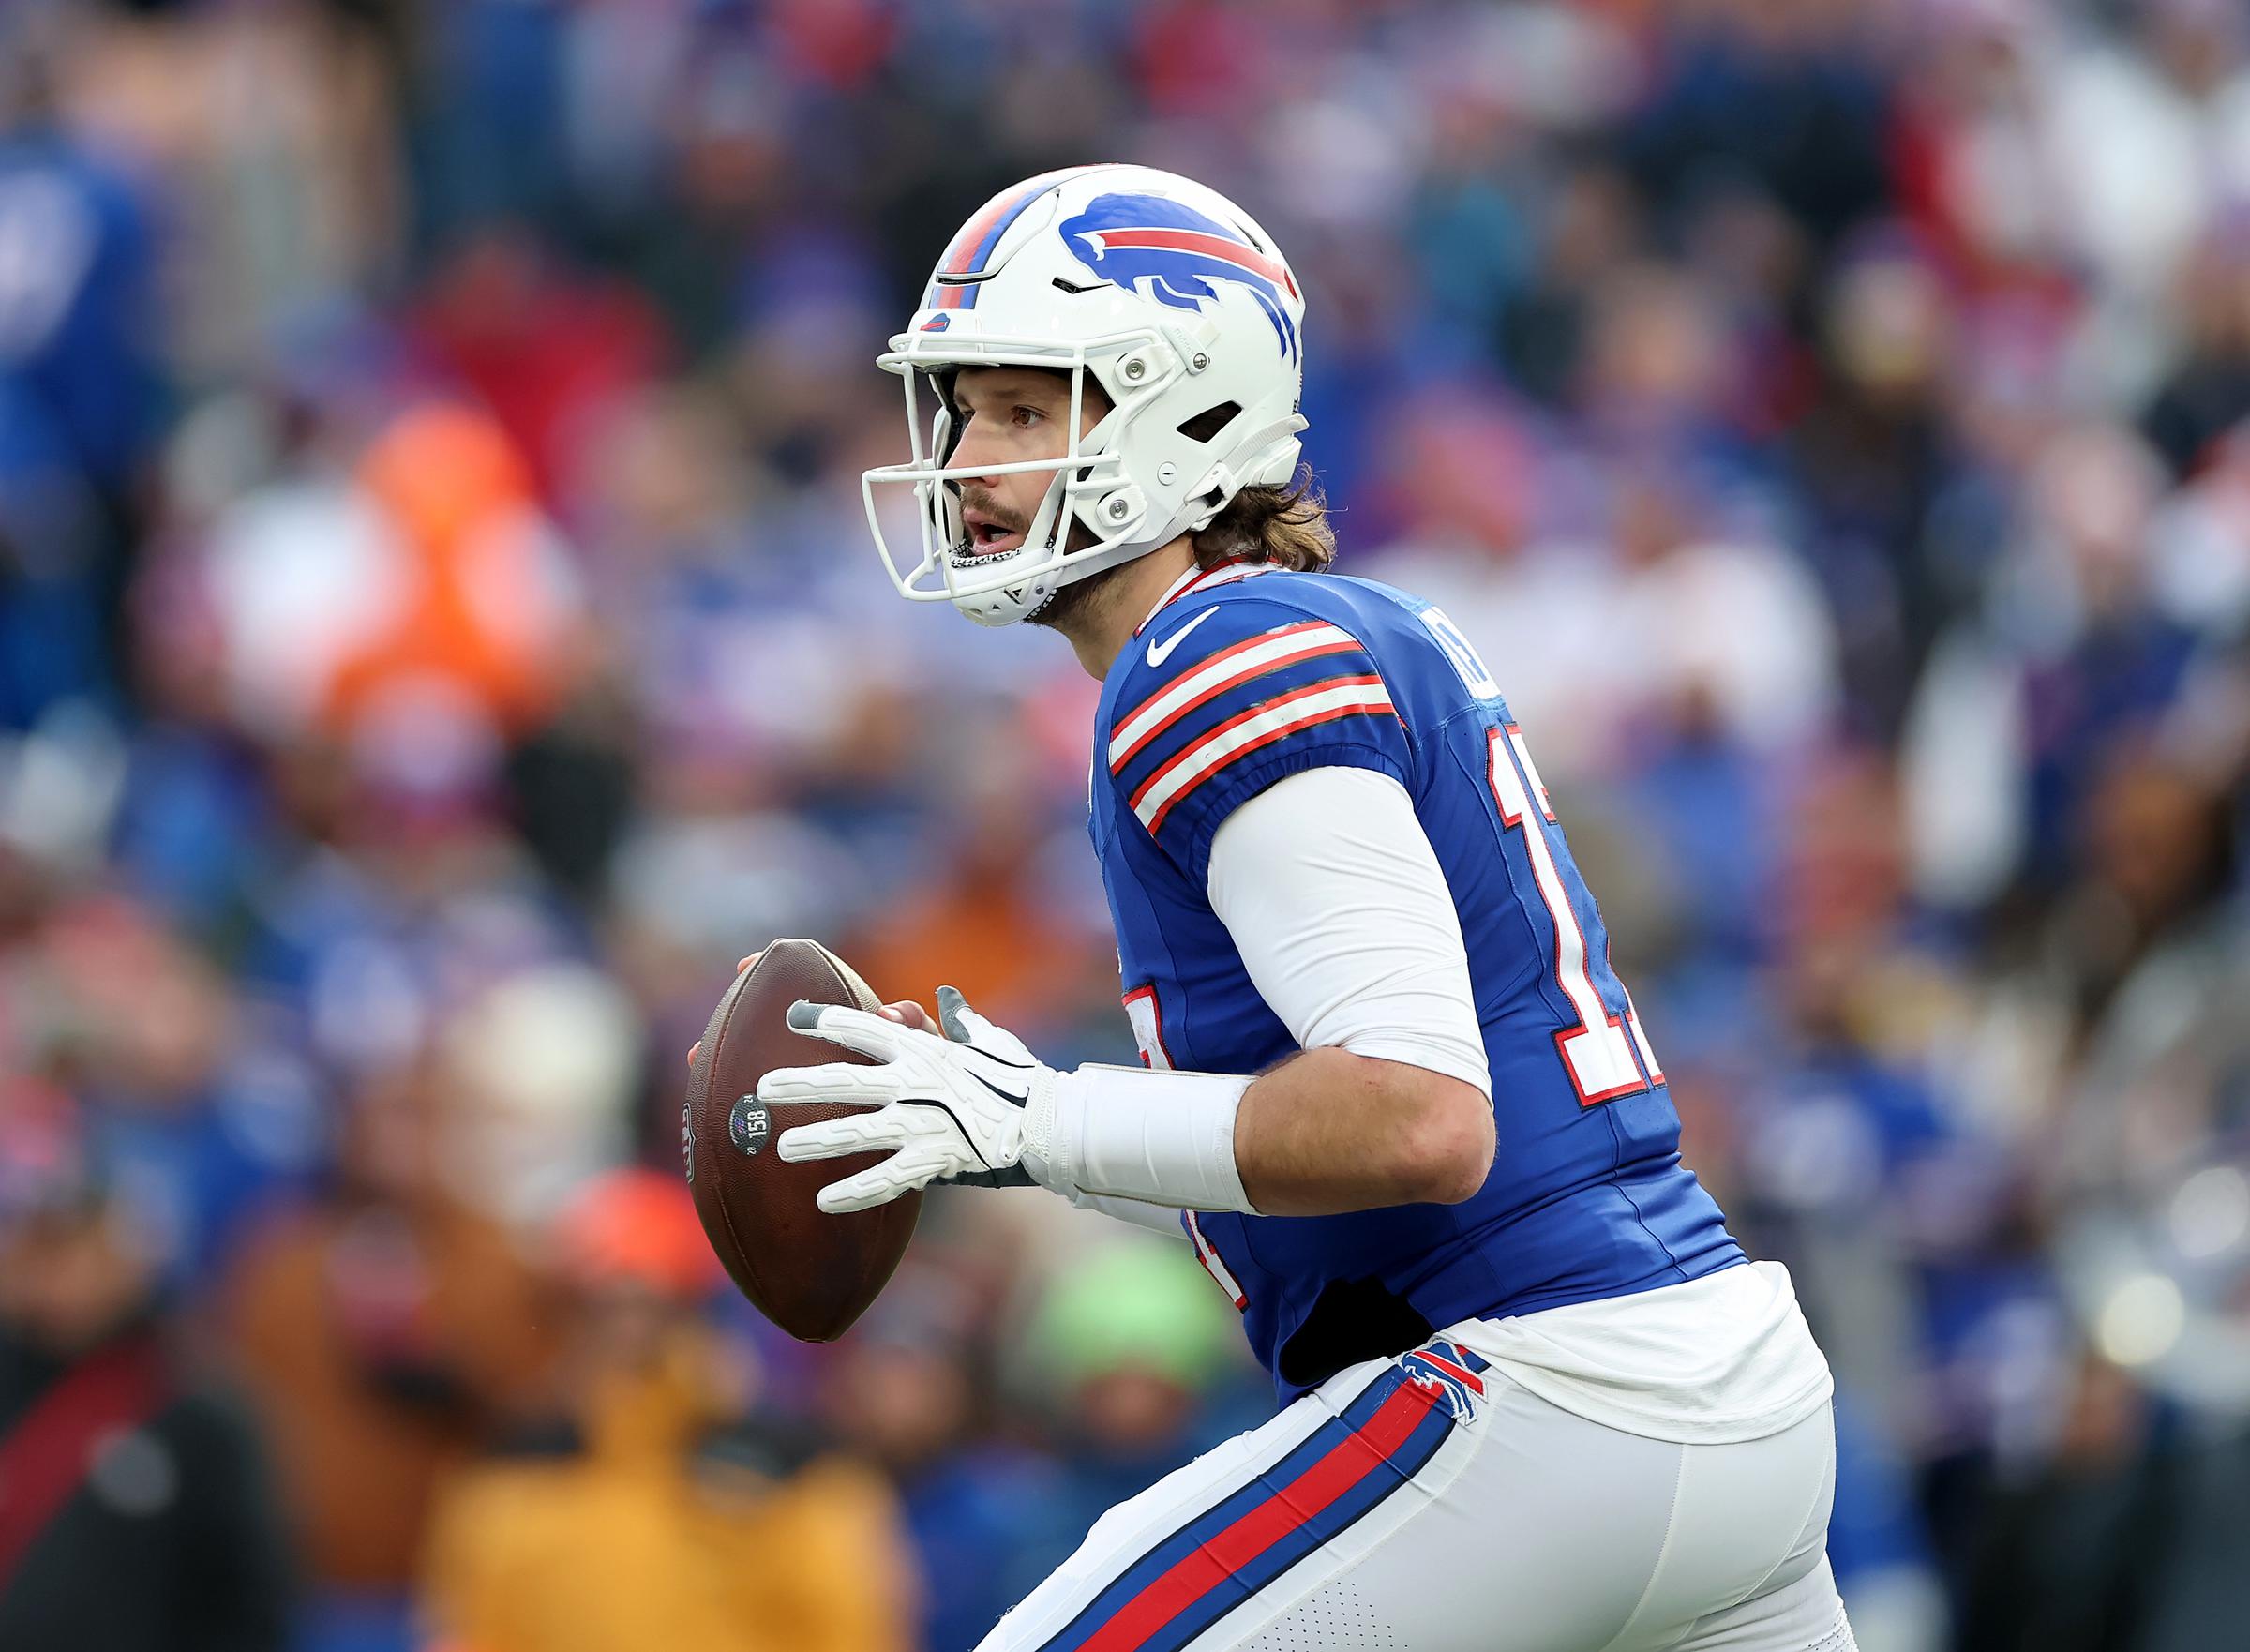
[973, 1107]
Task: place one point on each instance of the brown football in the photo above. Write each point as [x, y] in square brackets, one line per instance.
[809, 1272]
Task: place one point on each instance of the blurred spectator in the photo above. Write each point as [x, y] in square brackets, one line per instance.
[80, 387]
[494, 320]
[136, 1509]
[267, 141]
[207, 1125]
[1784, 96]
[1131, 1343]
[479, 629]
[1667, 625]
[917, 1391]
[2208, 389]
[2201, 550]
[986, 924]
[388, 1331]
[2124, 1538]
[635, 1525]
[2116, 1024]
[1883, 476]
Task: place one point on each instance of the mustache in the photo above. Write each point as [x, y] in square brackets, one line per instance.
[984, 500]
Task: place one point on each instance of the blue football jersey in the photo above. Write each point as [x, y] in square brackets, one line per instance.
[1241, 681]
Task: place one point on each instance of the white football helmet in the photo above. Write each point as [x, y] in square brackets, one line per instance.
[1186, 315]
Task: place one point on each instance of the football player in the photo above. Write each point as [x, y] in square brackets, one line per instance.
[1533, 1394]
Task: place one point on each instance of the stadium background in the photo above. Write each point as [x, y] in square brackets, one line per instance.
[440, 635]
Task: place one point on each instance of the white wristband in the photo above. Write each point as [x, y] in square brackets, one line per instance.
[1164, 1138]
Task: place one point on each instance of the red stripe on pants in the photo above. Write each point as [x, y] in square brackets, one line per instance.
[1352, 1459]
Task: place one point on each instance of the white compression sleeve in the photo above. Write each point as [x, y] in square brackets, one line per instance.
[1334, 897]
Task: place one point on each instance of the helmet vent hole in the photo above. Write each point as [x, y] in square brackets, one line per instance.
[1210, 421]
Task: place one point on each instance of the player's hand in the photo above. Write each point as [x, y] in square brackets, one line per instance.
[905, 1011]
[945, 1109]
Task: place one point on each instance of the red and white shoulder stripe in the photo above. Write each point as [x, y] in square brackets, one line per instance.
[1229, 668]
[1243, 696]
[1272, 720]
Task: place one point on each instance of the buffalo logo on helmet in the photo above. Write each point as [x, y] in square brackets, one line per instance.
[1173, 253]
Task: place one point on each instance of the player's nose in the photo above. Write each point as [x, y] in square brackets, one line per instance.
[976, 449]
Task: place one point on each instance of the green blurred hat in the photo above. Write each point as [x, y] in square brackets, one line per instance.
[1132, 1306]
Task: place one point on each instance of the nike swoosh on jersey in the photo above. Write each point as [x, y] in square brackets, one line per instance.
[1160, 652]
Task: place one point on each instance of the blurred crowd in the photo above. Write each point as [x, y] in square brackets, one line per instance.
[438, 635]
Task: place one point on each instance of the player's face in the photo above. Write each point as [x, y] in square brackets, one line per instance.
[1010, 414]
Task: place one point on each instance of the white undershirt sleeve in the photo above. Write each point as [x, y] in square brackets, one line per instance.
[1333, 896]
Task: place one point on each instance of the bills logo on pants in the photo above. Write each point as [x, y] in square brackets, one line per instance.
[1450, 1371]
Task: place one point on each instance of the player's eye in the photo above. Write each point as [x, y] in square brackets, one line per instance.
[1026, 417]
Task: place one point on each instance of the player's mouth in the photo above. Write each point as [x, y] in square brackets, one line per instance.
[987, 531]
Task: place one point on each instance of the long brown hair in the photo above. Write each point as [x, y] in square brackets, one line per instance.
[1286, 526]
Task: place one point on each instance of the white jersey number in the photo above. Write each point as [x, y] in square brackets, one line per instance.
[1148, 1028]
[1598, 1051]
[1468, 664]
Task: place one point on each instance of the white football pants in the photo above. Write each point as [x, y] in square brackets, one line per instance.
[1430, 1504]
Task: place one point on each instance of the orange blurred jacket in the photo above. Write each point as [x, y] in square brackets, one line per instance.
[488, 610]
[360, 1467]
[630, 1545]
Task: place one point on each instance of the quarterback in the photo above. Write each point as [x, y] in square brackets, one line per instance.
[1534, 1396]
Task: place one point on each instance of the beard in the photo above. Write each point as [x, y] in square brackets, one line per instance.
[1071, 605]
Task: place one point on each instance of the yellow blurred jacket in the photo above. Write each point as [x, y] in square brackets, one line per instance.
[631, 1546]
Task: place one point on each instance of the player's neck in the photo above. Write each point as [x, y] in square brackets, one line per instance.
[1100, 626]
